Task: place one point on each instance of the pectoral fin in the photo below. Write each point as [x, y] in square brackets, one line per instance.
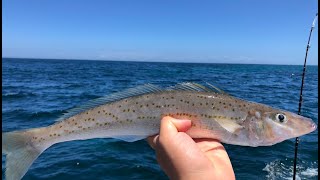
[229, 125]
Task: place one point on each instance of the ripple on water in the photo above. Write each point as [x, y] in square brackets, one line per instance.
[283, 169]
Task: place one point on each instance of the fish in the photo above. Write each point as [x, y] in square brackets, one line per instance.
[136, 113]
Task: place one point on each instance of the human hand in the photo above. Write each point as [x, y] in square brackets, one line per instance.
[182, 157]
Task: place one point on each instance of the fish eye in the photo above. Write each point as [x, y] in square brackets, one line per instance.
[281, 118]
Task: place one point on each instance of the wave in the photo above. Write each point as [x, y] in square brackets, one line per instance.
[35, 115]
[283, 169]
[18, 95]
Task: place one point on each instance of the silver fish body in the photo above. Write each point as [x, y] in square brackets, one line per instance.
[222, 117]
[213, 114]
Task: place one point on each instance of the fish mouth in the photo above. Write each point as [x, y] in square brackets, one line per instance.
[313, 126]
[298, 126]
[309, 126]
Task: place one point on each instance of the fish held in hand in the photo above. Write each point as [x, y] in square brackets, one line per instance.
[135, 114]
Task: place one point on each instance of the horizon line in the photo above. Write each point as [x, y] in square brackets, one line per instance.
[156, 61]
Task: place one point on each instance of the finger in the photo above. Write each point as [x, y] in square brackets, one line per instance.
[170, 126]
[215, 152]
[212, 148]
[208, 144]
[152, 141]
[221, 162]
[218, 155]
[182, 125]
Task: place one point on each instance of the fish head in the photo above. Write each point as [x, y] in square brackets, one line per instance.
[281, 125]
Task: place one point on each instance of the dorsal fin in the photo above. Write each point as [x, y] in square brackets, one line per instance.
[139, 90]
[217, 89]
[190, 86]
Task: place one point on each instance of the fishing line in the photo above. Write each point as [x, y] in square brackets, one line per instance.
[300, 100]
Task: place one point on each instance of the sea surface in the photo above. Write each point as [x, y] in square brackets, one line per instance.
[35, 92]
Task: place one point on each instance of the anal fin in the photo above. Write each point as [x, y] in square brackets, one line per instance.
[130, 138]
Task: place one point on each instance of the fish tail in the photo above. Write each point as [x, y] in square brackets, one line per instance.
[20, 152]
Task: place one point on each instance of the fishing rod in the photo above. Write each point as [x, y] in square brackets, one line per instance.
[300, 100]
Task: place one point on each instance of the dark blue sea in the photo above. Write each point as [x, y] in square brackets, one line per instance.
[35, 92]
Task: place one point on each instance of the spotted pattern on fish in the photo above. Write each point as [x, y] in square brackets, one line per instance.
[136, 114]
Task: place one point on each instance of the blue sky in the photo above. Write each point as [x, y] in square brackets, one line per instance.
[248, 31]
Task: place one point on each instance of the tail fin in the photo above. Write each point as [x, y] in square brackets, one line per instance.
[20, 153]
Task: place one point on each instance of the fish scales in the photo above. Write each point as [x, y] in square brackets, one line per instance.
[136, 114]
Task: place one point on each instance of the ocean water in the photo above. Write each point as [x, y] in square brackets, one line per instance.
[36, 92]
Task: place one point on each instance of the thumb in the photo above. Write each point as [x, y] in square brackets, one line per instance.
[168, 128]
[171, 126]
